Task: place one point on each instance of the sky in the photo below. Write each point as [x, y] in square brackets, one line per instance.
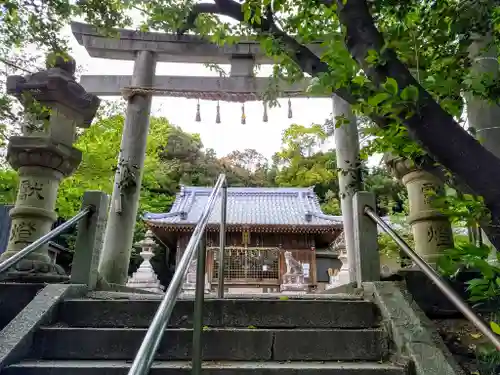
[230, 134]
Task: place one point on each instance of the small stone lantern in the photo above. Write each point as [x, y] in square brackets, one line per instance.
[145, 277]
[55, 106]
[431, 229]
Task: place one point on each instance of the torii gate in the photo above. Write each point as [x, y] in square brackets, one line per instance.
[148, 48]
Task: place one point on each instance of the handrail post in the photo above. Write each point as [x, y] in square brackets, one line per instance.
[197, 350]
[89, 240]
[146, 353]
[222, 240]
[367, 259]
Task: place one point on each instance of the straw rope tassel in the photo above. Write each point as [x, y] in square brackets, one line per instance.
[264, 117]
[198, 113]
[243, 116]
[290, 114]
[217, 115]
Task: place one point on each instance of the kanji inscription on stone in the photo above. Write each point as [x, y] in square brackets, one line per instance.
[428, 192]
[21, 232]
[29, 189]
[438, 234]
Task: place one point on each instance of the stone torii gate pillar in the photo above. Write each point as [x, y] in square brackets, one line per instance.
[118, 238]
[348, 164]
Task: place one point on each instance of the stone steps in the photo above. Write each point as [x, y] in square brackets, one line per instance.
[233, 344]
[240, 337]
[267, 313]
[78, 367]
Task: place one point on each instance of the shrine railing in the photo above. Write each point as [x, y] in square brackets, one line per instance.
[196, 246]
[364, 204]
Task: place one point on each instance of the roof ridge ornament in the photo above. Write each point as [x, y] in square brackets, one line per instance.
[159, 216]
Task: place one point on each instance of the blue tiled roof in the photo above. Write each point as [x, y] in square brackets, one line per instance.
[249, 206]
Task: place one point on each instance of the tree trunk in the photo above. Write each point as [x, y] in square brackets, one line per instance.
[435, 130]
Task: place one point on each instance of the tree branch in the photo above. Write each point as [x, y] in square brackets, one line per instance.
[307, 60]
[435, 129]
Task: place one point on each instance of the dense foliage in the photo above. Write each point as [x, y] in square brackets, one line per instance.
[175, 157]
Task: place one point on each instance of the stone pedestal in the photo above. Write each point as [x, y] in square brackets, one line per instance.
[189, 285]
[55, 105]
[293, 279]
[431, 229]
[145, 277]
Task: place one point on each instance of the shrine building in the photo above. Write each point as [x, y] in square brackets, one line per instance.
[262, 223]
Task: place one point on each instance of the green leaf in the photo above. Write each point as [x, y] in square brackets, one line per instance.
[495, 327]
[372, 57]
[477, 298]
[391, 86]
[410, 94]
[360, 80]
[378, 98]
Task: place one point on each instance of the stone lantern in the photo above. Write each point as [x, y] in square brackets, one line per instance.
[431, 229]
[145, 277]
[55, 105]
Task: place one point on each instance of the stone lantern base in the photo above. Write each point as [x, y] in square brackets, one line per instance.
[34, 271]
[41, 163]
[294, 283]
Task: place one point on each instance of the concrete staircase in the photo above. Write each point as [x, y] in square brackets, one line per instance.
[241, 336]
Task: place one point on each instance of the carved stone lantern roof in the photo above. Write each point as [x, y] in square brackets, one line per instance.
[397, 165]
[56, 86]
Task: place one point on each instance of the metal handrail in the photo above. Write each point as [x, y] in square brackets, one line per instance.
[453, 296]
[146, 353]
[7, 263]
